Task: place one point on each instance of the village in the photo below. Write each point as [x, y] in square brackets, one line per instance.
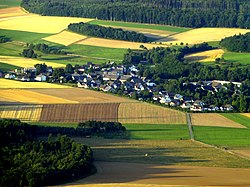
[122, 80]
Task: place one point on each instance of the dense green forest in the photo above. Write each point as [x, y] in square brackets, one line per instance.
[237, 43]
[187, 13]
[28, 161]
[172, 73]
[106, 32]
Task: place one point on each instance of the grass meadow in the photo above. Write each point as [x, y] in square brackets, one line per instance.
[9, 3]
[139, 25]
[238, 118]
[7, 67]
[242, 58]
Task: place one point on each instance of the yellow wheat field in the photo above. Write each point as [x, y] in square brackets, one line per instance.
[22, 112]
[246, 114]
[100, 42]
[65, 38]
[25, 96]
[206, 56]
[215, 120]
[149, 114]
[26, 62]
[40, 24]
[201, 35]
[12, 84]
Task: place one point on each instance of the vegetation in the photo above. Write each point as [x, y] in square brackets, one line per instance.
[7, 67]
[4, 39]
[223, 136]
[106, 32]
[29, 53]
[237, 43]
[187, 13]
[139, 26]
[237, 58]
[157, 132]
[26, 161]
[46, 49]
[239, 118]
[9, 3]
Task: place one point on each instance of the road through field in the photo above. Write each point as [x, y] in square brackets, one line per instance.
[115, 173]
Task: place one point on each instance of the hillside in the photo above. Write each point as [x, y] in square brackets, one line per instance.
[188, 13]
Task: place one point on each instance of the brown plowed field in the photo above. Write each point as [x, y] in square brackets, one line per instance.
[215, 120]
[82, 95]
[79, 112]
[149, 114]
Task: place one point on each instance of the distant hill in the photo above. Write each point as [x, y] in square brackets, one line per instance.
[186, 13]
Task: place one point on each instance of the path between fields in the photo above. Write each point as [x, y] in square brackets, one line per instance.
[189, 123]
[133, 174]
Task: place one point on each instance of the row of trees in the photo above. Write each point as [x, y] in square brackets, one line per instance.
[106, 32]
[188, 13]
[44, 48]
[4, 39]
[237, 43]
[28, 53]
[26, 161]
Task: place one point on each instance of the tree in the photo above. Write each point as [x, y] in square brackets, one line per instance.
[69, 69]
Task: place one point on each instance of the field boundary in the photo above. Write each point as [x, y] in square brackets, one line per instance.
[189, 124]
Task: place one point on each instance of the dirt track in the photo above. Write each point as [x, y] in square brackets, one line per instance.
[115, 173]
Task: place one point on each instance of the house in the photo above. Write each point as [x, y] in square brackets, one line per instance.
[10, 76]
[178, 96]
[228, 107]
[77, 77]
[109, 77]
[196, 108]
[124, 78]
[82, 85]
[41, 78]
[186, 105]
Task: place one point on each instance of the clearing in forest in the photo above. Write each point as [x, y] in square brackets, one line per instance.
[205, 56]
[201, 35]
[213, 119]
[145, 113]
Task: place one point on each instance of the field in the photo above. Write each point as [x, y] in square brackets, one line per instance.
[40, 24]
[201, 35]
[222, 136]
[11, 12]
[205, 56]
[242, 58]
[9, 3]
[100, 42]
[147, 113]
[6, 67]
[246, 114]
[65, 38]
[26, 62]
[239, 118]
[157, 131]
[25, 96]
[79, 112]
[24, 112]
[213, 119]
[4, 83]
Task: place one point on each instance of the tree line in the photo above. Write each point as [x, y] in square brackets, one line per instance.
[44, 48]
[186, 13]
[106, 32]
[27, 161]
[4, 39]
[237, 43]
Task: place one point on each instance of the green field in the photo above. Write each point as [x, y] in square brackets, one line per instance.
[9, 3]
[23, 36]
[139, 25]
[222, 136]
[6, 67]
[238, 118]
[242, 58]
[157, 132]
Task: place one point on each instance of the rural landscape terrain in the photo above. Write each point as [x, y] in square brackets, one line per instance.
[136, 93]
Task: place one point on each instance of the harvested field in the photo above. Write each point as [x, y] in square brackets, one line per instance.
[25, 96]
[11, 12]
[201, 35]
[116, 43]
[82, 95]
[149, 114]
[12, 84]
[206, 56]
[215, 120]
[65, 38]
[79, 112]
[153, 175]
[26, 62]
[40, 24]
[22, 112]
[243, 152]
[246, 114]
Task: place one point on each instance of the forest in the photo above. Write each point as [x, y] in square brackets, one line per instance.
[186, 13]
[237, 43]
[172, 73]
[106, 32]
[27, 160]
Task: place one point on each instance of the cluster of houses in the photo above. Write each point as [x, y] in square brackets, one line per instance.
[114, 78]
